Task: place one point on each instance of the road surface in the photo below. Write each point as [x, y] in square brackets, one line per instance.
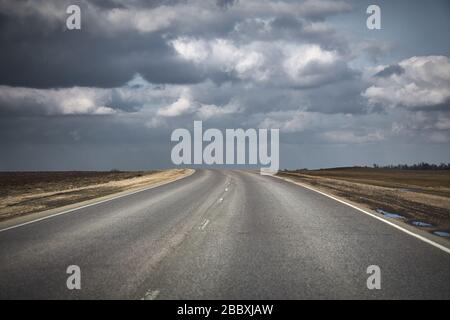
[219, 234]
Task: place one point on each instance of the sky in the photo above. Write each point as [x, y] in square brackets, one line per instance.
[108, 96]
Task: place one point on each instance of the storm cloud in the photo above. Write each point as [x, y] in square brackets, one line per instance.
[114, 90]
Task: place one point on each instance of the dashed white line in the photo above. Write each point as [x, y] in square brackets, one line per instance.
[221, 199]
[204, 224]
[226, 189]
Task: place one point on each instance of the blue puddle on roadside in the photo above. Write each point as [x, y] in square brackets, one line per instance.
[421, 224]
[442, 233]
[390, 214]
[416, 223]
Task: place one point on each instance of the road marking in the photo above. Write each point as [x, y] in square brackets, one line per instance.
[93, 204]
[151, 295]
[204, 224]
[221, 199]
[226, 189]
[418, 236]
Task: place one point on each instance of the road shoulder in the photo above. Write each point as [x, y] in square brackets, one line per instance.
[424, 236]
[37, 216]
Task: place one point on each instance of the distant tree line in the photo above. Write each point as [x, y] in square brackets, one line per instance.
[417, 166]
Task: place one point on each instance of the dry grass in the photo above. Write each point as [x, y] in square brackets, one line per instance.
[23, 193]
[416, 195]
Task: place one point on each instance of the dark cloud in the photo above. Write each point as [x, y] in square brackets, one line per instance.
[73, 58]
[109, 95]
[390, 70]
[112, 46]
[108, 4]
[226, 3]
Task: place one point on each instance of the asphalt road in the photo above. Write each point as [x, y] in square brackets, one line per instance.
[219, 235]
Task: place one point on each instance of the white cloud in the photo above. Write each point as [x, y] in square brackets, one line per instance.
[192, 13]
[424, 82]
[246, 61]
[68, 101]
[144, 21]
[277, 63]
[308, 65]
[191, 49]
[182, 106]
[135, 95]
[207, 111]
[351, 137]
[308, 8]
[187, 104]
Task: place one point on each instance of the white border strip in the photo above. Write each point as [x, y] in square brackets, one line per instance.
[94, 204]
[431, 242]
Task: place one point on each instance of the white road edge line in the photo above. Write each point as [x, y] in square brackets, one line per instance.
[418, 236]
[92, 204]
